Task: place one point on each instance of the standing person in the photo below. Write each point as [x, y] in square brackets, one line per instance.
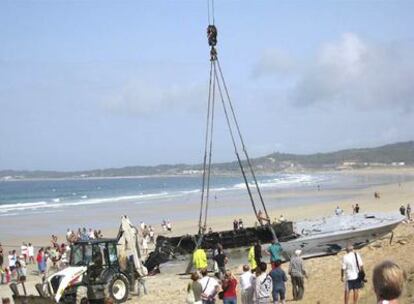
[229, 288]
[235, 225]
[24, 252]
[351, 265]
[210, 288]
[251, 259]
[12, 262]
[357, 208]
[1, 256]
[258, 252]
[408, 210]
[246, 285]
[195, 288]
[388, 280]
[199, 259]
[262, 285]
[221, 259]
[152, 235]
[241, 225]
[41, 262]
[145, 245]
[169, 226]
[297, 273]
[278, 278]
[274, 250]
[402, 210]
[30, 250]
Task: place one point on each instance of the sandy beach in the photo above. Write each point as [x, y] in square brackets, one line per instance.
[323, 285]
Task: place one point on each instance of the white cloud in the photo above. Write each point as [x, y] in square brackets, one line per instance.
[352, 71]
[139, 97]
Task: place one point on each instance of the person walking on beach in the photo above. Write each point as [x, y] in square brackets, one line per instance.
[274, 250]
[263, 285]
[246, 285]
[229, 288]
[210, 288]
[388, 279]
[297, 273]
[351, 266]
[278, 278]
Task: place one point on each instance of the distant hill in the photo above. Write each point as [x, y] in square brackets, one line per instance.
[396, 155]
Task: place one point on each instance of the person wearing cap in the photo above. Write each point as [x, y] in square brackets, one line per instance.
[351, 266]
[297, 273]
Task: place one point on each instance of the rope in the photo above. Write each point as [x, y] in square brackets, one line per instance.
[205, 147]
[241, 139]
[210, 151]
[210, 3]
[234, 141]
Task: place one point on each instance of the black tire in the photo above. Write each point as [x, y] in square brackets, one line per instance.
[117, 288]
[82, 295]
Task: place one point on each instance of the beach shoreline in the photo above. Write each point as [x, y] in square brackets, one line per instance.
[392, 195]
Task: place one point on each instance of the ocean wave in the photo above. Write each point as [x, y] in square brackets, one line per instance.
[282, 181]
[54, 204]
[22, 206]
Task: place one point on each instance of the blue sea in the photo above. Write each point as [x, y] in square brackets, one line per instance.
[39, 196]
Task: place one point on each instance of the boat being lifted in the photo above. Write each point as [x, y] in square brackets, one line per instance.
[314, 238]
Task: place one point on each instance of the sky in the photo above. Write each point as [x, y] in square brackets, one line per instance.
[100, 84]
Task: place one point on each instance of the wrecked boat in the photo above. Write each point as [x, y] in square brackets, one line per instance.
[315, 237]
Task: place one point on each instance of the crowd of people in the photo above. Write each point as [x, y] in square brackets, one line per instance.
[257, 284]
[82, 234]
[261, 284]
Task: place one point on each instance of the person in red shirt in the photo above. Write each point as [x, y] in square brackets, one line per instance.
[229, 288]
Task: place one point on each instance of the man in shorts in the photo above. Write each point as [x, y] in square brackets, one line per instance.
[351, 265]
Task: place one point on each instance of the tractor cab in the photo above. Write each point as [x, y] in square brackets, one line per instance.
[97, 255]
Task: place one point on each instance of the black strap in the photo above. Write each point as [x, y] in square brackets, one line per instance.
[264, 279]
[206, 285]
[356, 258]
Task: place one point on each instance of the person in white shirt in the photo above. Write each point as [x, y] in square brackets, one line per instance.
[145, 245]
[263, 285]
[246, 285]
[30, 250]
[210, 287]
[351, 265]
[24, 251]
[91, 234]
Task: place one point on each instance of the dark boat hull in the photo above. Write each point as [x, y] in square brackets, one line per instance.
[168, 248]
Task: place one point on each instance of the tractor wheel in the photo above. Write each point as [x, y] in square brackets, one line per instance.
[117, 288]
[82, 295]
